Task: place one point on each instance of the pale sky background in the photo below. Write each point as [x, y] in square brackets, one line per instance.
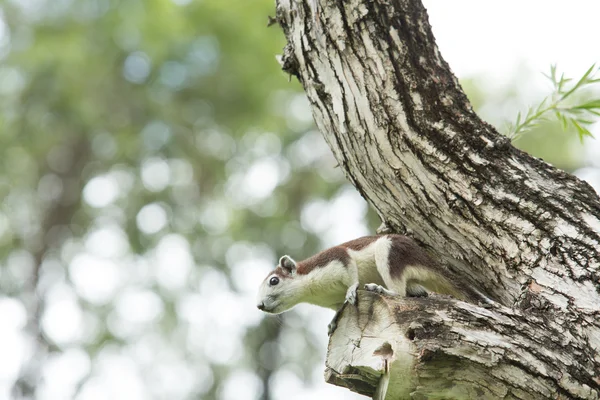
[483, 38]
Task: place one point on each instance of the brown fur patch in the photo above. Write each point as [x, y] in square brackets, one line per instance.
[322, 259]
[360, 243]
[339, 252]
[404, 252]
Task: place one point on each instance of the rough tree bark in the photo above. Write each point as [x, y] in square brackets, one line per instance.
[522, 232]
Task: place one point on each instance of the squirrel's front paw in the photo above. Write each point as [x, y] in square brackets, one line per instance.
[351, 294]
[375, 288]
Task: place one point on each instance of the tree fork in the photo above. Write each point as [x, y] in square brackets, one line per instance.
[519, 230]
[445, 348]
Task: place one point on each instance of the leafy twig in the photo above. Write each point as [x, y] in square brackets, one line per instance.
[580, 115]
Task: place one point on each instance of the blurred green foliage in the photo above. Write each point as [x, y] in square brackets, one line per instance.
[155, 160]
[152, 121]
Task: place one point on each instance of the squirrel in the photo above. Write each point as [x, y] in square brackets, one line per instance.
[387, 264]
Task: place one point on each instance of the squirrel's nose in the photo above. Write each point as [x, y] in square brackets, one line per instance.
[261, 306]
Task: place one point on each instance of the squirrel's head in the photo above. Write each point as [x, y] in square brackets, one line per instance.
[279, 291]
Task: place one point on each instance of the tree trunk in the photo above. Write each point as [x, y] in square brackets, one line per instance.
[522, 232]
[58, 214]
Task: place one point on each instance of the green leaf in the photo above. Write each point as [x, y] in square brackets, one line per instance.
[564, 122]
[552, 76]
[563, 82]
[594, 112]
[582, 81]
[589, 105]
[582, 131]
[587, 74]
[577, 115]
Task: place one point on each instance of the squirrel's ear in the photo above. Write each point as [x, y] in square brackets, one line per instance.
[288, 264]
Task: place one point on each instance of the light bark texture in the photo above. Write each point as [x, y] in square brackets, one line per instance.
[519, 230]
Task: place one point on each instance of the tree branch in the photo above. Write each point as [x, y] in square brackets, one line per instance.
[445, 348]
[512, 226]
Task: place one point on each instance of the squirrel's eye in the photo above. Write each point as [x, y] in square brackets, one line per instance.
[273, 281]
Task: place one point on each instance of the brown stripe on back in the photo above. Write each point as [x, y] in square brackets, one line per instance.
[322, 259]
[339, 252]
[360, 243]
[404, 251]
